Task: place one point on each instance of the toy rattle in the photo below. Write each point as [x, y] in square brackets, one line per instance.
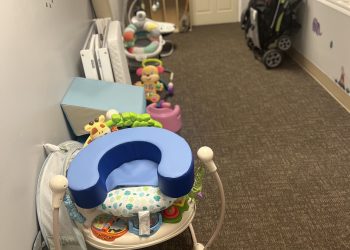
[150, 79]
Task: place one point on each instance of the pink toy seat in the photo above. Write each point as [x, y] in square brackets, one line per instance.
[169, 116]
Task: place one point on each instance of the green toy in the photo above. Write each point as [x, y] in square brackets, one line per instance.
[100, 127]
[198, 183]
[173, 214]
[133, 120]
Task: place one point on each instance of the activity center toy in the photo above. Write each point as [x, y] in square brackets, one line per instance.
[150, 79]
[142, 38]
[129, 188]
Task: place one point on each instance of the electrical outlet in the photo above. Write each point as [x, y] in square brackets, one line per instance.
[49, 3]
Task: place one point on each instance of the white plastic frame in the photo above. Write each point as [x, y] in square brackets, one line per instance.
[141, 57]
[59, 183]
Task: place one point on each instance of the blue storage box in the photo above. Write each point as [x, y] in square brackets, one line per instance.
[87, 99]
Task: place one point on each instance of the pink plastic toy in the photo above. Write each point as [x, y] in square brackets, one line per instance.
[168, 116]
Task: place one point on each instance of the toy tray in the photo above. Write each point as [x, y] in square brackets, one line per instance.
[132, 241]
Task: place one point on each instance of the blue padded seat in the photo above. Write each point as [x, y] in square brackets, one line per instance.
[94, 171]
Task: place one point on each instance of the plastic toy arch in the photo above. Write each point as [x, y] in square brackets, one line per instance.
[89, 174]
[152, 61]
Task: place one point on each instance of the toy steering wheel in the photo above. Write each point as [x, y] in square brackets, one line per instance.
[152, 60]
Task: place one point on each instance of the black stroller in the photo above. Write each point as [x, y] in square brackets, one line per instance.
[268, 26]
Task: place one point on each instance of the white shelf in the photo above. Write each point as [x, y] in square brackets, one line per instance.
[132, 241]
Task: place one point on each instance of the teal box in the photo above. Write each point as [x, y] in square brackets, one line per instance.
[87, 99]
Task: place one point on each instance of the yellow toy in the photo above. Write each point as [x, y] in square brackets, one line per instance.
[97, 128]
[150, 79]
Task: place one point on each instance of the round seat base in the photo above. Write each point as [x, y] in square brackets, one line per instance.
[132, 241]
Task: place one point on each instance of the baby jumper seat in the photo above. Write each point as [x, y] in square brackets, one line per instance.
[105, 176]
[98, 168]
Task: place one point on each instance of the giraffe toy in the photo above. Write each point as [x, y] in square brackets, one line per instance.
[97, 128]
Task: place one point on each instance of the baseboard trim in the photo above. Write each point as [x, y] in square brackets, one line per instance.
[328, 84]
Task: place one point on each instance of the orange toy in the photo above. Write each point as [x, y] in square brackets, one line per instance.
[150, 81]
[107, 227]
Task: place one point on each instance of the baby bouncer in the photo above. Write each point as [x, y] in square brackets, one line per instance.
[129, 189]
[143, 37]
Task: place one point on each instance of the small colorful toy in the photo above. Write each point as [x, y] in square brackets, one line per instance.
[150, 79]
[196, 190]
[173, 214]
[107, 227]
[97, 128]
[131, 120]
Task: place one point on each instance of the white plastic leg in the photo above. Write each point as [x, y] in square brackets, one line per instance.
[198, 246]
[193, 234]
[58, 184]
[205, 154]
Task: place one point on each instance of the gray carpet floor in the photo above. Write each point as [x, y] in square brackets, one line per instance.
[281, 143]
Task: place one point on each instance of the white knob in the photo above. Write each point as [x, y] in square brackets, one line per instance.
[111, 112]
[198, 246]
[206, 154]
[141, 16]
[58, 184]
[154, 7]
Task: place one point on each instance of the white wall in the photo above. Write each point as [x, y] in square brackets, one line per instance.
[39, 55]
[334, 27]
[118, 9]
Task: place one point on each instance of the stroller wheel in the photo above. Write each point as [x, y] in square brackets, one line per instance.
[272, 58]
[284, 43]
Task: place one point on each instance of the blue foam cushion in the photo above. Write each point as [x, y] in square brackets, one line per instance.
[143, 171]
[101, 95]
[92, 173]
[87, 98]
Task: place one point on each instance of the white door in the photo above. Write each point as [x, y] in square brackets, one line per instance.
[214, 11]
